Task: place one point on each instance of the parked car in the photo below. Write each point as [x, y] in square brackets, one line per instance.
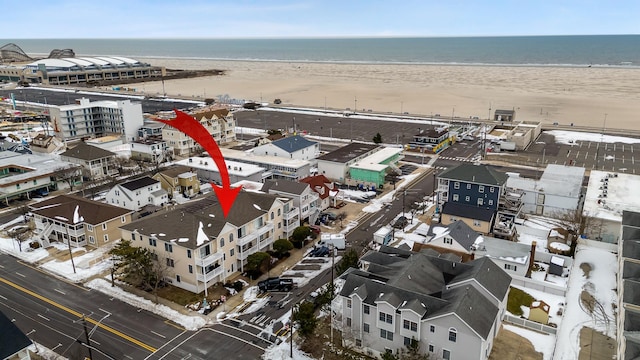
[315, 229]
[275, 284]
[320, 251]
[329, 215]
[400, 223]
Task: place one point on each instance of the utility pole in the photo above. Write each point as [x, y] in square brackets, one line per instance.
[333, 263]
[86, 334]
[70, 252]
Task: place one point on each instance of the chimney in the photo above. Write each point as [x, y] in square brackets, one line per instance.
[532, 259]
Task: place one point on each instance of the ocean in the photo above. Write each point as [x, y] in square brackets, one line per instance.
[582, 50]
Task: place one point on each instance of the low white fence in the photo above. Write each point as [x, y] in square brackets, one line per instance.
[537, 285]
[529, 324]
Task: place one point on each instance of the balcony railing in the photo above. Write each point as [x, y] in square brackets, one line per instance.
[242, 255]
[210, 259]
[253, 235]
[211, 274]
[292, 213]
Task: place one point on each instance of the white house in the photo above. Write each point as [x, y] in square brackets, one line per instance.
[96, 119]
[452, 310]
[558, 191]
[304, 199]
[328, 192]
[291, 147]
[138, 193]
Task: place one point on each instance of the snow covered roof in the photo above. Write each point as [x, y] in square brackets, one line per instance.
[608, 195]
[68, 63]
[556, 180]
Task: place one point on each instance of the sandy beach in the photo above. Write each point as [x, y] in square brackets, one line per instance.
[579, 95]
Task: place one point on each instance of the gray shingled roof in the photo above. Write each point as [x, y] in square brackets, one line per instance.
[85, 151]
[348, 152]
[139, 183]
[175, 170]
[480, 174]
[293, 143]
[63, 207]
[460, 231]
[285, 186]
[467, 211]
[465, 301]
[12, 339]
[487, 274]
[184, 221]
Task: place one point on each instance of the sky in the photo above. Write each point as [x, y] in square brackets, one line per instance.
[314, 18]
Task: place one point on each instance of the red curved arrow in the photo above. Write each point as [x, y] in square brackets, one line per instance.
[190, 126]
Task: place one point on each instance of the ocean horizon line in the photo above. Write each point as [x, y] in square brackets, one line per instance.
[622, 65]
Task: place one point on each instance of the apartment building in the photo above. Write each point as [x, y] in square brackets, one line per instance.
[452, 310]
[305, 201]
[97, 163]
[89, 119]
[219, 122]
[201, 246]
[78, 221]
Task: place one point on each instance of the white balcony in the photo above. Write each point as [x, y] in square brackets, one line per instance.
[210, 259]
[253, 235]
[211, 274]
[292, 213]
[242, 255]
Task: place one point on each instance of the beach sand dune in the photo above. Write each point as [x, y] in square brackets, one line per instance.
[579, 95]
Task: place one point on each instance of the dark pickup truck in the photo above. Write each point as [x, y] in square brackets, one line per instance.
[276, 284]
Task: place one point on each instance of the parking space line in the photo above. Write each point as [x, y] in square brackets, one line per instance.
[633, 160]
[585, 155]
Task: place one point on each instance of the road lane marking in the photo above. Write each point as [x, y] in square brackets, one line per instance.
[79, 315]
[17, 273]
[238, 338]
[155, 333]
[42, 317]
[3, 298]
[1, 266]
[31, 332]
[60, 291]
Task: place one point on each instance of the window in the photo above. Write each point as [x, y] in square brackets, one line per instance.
[231, 252]
[481, 188]
[456, 197]
[190, 269]
[468, 186]
[152, 242]
[432, 328]
[178, 278]
[349, 321]
[491, 189]
[386, 334]
[409, 341]
[388, 318]
[272, 215]
[168, 247]
[230, 238]
[365, 327]
[510, 267]
[104, 226]
[446, 354]
[221, 242]
[133, 236]
[90, 227]
[410, 325]
[106, 237]
[92, 240]
[366, 309]
[456, 185]
[448, 240]
[476, 223]
[189, 253]
[348, 303]
[124, 218]
[480, 201]
[467, 198]
[170, 262]
[358, 343]
[431, 348]
[453, 334]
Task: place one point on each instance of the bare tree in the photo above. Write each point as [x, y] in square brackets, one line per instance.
[341, 216]
[161, 270]
[20, 234]
[69, 174]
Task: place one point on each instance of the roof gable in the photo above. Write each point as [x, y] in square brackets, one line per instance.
[293, 143]
[85, 151]
[459, 231]
[12, 339]
[72, 209]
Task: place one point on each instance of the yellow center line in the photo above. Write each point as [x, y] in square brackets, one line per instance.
[79, 315]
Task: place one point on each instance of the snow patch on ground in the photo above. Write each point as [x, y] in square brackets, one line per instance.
[188, 322]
